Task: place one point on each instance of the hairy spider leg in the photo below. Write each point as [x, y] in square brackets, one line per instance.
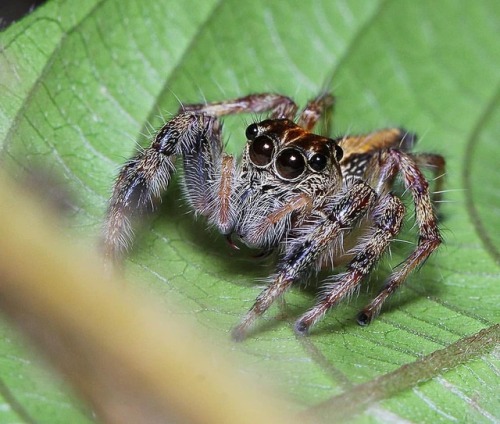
[144, 178]
[394, 161]
[314, 110]
[303, 252]
[387, 217]
[376, 141]
[436, 164]
[277, 105]
[208, 178]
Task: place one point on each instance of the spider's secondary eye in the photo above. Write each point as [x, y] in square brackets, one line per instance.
[318, 162]
[252, 131]
[261, 151]
[290, 164]
[339, 153]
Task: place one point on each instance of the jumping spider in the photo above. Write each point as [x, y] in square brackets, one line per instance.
[320, 202]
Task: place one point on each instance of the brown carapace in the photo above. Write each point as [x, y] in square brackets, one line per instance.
[321, 202]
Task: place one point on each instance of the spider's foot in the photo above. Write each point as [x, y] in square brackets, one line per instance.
[306, 321]
[240, 332]
[366, 316]
[372, 310]
[302, 327]
[363, 319]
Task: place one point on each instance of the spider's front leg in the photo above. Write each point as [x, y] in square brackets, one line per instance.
[144, 178]
[302, 254]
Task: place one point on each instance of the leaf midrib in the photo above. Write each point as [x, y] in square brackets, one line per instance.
[357, 398]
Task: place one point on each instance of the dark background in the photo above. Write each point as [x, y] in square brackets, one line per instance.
[13, 10]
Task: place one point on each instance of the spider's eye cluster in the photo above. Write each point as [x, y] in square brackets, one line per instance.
[290, 164]
[261, 150]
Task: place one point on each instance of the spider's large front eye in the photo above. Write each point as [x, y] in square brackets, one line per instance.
[318, 162]
[261, 151]
[290, 164]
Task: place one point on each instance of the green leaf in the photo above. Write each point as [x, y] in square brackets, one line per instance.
[81, 86]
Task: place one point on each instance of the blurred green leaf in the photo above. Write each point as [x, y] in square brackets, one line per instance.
[82, 85]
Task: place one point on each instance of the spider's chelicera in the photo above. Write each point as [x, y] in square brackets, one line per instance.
[320, 202]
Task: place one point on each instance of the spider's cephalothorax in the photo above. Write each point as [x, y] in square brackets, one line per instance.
[319, 201]
[283, 168]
